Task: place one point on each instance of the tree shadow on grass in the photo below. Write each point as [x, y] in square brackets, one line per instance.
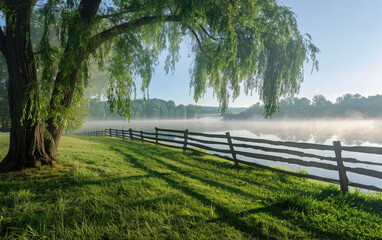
[372, 205]
[208, 181]
[277, 209]
[280, 211]
[263, 184]
[224, 165]
[225, 214]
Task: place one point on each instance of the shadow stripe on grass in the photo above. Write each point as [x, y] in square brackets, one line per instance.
[225, 214]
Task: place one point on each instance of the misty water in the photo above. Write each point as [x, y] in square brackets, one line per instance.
[350, 132]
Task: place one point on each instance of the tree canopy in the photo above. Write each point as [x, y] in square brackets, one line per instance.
[254, 43]
[251, 43]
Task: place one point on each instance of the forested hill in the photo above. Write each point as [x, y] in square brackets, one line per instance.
[347, 106]
[154, 109]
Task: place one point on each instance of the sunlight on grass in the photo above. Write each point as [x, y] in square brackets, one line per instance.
[130, 190]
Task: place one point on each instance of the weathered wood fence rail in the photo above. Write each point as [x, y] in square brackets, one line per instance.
[237, 147]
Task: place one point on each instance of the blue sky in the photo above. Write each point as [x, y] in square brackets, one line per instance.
[349, 35]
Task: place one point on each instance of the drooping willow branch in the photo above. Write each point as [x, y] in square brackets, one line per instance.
[110, 33]
[199, 42]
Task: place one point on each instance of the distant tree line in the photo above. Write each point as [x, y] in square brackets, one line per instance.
[346, 106]
[154, 109]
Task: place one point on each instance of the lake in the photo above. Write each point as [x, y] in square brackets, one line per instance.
[350, 132]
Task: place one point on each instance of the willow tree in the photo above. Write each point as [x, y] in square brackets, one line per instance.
[248, 43]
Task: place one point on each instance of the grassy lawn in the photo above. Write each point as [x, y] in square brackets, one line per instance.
[129, 190]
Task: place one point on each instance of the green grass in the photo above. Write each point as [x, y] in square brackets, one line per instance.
[129, 190]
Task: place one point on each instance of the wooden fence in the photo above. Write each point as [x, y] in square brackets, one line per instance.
[237, 147]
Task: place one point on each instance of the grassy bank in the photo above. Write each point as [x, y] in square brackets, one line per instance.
[129, 190]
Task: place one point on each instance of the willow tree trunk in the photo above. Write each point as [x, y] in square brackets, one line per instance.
[26, 146]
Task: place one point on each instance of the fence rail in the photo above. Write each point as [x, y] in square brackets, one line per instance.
[237, 147]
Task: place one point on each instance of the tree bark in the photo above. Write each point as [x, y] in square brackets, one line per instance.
[26, 146]
[54, 125]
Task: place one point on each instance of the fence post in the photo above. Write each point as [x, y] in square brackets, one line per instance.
[185, 140]
[344, 181]
[156, 136]
[141, 136]
[123, 134]
[110, 132]
[131, 133]
[229, 139]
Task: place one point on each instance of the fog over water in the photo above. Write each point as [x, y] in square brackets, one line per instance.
[349, 132]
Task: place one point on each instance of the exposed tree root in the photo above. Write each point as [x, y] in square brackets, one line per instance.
[7, 165]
